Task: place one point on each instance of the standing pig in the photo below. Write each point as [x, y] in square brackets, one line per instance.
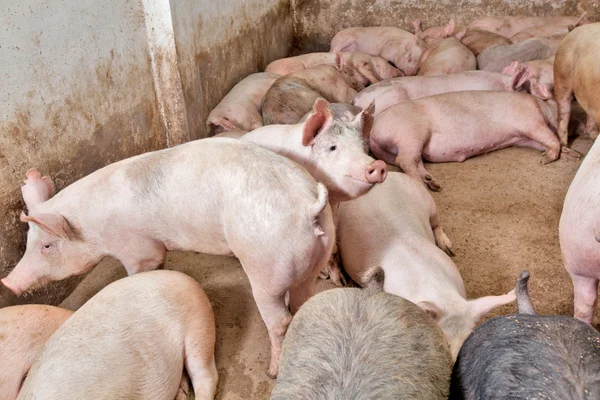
[374, 68]
[456, 126]
[334, 152]
[577, 72]
[528, 356]
[218, 196]
[478, 40]
[394, 91]
[432, 35]
[23, 332]
[131, 341]
[539, 80]
[362, 344]
[240, 109]
[510, 26]
[497, 58]
[396, 225]
[401, 48]
[293, 95]
[448, 56]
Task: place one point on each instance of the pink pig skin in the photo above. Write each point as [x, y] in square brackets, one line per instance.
[448, 56]
[510, 26]
[217, 196]
[455, 126]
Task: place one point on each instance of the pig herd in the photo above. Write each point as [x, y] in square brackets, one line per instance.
[291, 188]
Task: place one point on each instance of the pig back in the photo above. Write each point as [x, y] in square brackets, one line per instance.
[126, 342]
[496, 58]
[352, 344]
[529, 356]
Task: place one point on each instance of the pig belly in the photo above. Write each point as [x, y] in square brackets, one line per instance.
[457, 147]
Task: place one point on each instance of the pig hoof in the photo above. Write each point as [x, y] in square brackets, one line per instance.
[431, 183]
[548, 157]
[272, 373]
[569, 154]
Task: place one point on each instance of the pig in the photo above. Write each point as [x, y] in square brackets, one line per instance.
[131, 340]
[455, 126]
[233, 133]
[510, 26]
[434, 34]
[23, 332]
[293, 95]
[401, 48]
[539, 80]
[496, 58]
[579, 233]
[528, 356]
[218, 196]
[363, 344]
[396, 226]
[333, 152]
[553, 33]
[478, 40]
[447, 56]
[394, 91]
[373, 67]
[240, 108]
[576, 73]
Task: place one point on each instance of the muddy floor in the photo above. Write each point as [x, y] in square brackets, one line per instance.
[500, 210]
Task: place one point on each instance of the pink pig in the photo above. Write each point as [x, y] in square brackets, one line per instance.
[209, 196]
[455, 126]
[398, 46]
[510, 26]
[432, 35]
[539, 80]
[445, 57]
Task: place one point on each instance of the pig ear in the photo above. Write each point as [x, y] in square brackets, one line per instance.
[227, 124]
[364, 120]
[448, 29]
[583, 20]
[541, 91]
[320, 116]
[483, 305]
[461, 34]
[54, 224]
[433, 310]
[37, 189]
[417, 25]
[339, 61]
[511, 68]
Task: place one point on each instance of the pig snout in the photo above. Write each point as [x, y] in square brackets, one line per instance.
[11, 285]
[377, 172]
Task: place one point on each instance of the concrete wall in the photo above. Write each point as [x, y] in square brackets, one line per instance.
[317, 21]
[86, 83]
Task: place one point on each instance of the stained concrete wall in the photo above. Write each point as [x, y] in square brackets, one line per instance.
[317, 21]
[86, 83]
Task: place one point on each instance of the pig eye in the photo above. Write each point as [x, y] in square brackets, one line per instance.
[47, 246]
[332, 148]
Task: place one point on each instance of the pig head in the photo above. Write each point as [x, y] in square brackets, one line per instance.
[339, 152]
[55, 249]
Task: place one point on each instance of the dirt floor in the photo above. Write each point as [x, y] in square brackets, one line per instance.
[500, 210]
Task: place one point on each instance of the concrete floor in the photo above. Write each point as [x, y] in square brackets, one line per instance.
[500, 210]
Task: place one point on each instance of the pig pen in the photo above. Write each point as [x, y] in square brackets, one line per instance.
[87, 84]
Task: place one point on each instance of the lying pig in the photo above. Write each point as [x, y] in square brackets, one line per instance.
[496, 58]
[23, 332]
[362, 344]
[131, 341]
[394, 91]
[240, 108]
[293, 95]
[528, 356]
[539, 80]
[510, 26]
[576, 73]
[396, 225]
[374, 68]
[553, 33]
[447, 56]
[455, 126]
[209, 196]
[333, 151]
[478, 40]
[401, 48]
[432, 35]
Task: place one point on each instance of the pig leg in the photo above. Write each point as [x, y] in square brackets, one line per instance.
[543, 135]
[591, 129]
[199, 348]
[183, 393]
[412, 164]
[441, 240]
[141, 255]
[563, 93]
[586, 297]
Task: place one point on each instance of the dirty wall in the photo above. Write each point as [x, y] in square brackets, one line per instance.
[86, 83]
